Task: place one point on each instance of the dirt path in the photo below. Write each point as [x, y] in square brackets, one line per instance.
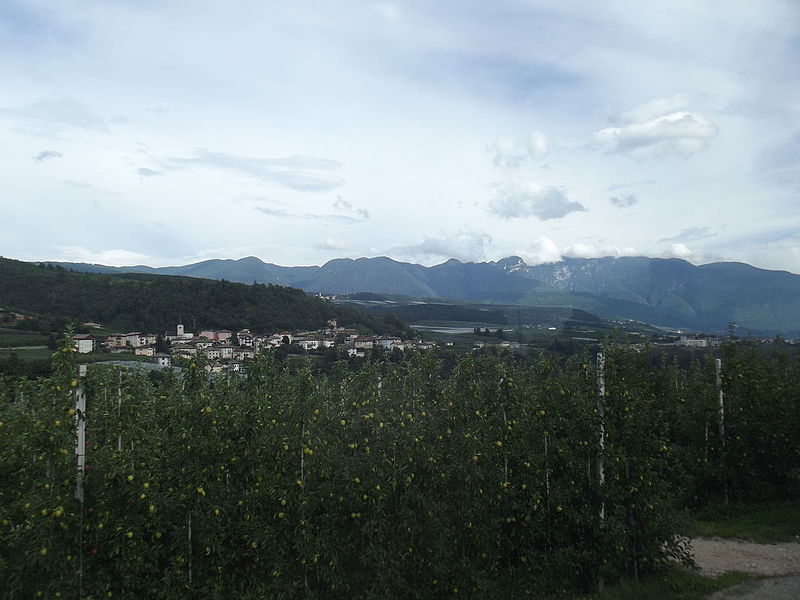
[778, 588]
[715, 556]
[781, 562]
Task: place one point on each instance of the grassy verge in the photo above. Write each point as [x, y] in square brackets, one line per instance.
[37, 354]
[45, 354]
[676, 584]
[759, 523]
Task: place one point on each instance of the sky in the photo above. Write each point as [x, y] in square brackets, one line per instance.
[164, 132]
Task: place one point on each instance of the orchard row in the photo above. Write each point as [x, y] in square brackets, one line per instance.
[391, 481]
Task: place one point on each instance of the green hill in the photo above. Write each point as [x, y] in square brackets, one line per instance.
[155, 303]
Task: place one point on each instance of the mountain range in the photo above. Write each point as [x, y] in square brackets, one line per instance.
[664, 292]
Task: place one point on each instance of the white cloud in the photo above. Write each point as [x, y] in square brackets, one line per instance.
[511, 151]
[45, 154]
[298, 173]
[529, 199]
[545, 250]
[408, 97]
[781, 254]
[537, 144]
[465, 245]
[676, 134]
[58, 113]
[690, 234]
[115, 258]
[332, 244]
[542, 250]
[679, 251]
[655, 109]
[342, 205]
[581, 250]
[282, 213]
[624, 201]
[620, 186]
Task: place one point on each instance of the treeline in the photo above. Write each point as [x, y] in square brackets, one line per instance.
[480, 313]
[155, 303]
[392, 481]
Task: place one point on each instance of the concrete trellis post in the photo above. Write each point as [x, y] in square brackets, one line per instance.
[601, 442]
[601, 411]
[721, 396]
[721, 402]
[80, 429]
[80, 454]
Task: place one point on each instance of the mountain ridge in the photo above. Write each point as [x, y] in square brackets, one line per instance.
[664, 291]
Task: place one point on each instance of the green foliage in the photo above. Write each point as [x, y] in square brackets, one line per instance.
[10, 338]
[761, 523]
[392, 480]
[675, 584]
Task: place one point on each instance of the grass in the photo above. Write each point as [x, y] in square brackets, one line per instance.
[38, 354]
[45, 353]
[675, 584]
[12, 337]
[759, 523]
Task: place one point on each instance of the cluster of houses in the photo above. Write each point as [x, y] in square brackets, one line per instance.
[228, 349]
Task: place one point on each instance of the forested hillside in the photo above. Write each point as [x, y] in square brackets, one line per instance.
[156, 303]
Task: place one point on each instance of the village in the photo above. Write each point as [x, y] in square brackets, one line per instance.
[227, 350]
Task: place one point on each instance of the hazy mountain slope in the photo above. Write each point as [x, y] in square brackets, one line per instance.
[380, 275]
[670, 292]
[701, 296]
[478, 282]
[244, 270]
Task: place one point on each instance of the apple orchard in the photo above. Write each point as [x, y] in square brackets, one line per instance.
[396, 479]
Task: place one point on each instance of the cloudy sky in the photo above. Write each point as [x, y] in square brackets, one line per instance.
[170, 131]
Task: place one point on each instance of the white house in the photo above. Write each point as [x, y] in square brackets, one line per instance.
[388, 342]
[116, 340]
[692, 342]
[245, 338]
[84, 343]
[136, 339]
[364, 342]
[133, 339]
[184, 349]
[242, 354]
[307, 343]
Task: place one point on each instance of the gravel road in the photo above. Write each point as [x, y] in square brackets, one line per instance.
[778, 588]
[780, 562]
[715, 556]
